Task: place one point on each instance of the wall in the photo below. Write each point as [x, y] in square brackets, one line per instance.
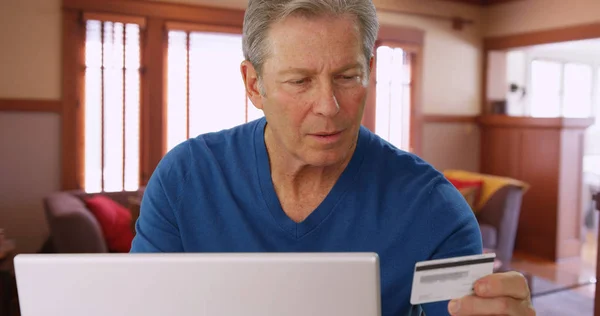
[534, 15]
[29, 170]
[452, 145]
[29, 142]
[451, 80]
[30, 35]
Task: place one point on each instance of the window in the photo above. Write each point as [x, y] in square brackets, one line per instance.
[112, 106]
[545, 88]
[393, 95]
[206, 91]
[597, 98]
[561, 90]
[578, 89]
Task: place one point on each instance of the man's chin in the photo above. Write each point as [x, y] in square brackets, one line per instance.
[327, 158]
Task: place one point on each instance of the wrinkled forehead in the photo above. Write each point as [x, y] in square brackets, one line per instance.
[302, 40]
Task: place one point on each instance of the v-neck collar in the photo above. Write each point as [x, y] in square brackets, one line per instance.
[327, 206]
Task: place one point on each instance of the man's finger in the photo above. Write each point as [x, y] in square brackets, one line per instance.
[473, 305]
[511, 284]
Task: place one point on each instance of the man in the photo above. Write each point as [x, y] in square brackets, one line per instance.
[308, 177]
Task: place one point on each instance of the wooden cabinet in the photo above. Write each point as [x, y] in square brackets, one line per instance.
[547, 153]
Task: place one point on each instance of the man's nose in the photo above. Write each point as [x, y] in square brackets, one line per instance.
[326, 103]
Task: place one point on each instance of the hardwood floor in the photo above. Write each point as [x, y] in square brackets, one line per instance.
[571, 285]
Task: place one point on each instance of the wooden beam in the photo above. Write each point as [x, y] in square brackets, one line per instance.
[30, 105]
[153, 113]
[401, 35]
[161, 10]
[564, 34]
[482, 2]
[72, 133]
[535, 122]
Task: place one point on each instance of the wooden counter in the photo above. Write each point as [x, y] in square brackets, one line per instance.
[547, 153]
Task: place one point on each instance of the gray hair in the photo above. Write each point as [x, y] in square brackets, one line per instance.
[261, 14]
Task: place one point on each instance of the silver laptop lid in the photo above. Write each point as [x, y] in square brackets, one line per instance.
[273, 284]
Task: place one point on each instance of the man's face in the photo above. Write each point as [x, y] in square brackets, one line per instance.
[315, 88]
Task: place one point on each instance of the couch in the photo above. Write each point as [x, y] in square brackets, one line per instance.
[73, 228]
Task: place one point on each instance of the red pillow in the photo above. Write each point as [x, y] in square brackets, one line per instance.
[115, 221]
[465, 184]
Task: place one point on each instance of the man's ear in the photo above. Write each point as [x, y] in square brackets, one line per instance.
[250, 77]
[371, 63]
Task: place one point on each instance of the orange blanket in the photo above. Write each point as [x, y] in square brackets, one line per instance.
[491, 184]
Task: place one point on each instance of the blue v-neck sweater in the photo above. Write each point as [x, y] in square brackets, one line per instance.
[214, 193]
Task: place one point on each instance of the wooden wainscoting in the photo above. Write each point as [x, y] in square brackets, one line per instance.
[437, 118]
[547, 154]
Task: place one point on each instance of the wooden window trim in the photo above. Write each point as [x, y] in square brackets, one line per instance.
[30, 105]
[119, 18]
[73, 116]
[556, 35]
[401, 35]
[161, 10]
[198, 27]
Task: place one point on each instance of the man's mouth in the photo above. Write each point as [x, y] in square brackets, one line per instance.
[327, 134]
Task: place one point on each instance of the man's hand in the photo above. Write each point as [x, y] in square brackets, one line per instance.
[496, 294]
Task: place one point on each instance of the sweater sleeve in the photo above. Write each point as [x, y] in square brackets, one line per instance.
[157, 228]
[459, 233]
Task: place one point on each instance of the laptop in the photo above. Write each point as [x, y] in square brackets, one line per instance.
[216, 284]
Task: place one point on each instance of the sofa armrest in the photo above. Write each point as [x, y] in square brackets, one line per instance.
[73, 229]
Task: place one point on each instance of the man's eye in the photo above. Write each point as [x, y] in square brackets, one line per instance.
[347, 78]
[299, 81]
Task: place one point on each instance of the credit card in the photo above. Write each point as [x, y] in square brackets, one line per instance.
[446, 279]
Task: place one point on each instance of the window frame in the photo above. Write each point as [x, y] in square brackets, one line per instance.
[154, 16]
[413, 47]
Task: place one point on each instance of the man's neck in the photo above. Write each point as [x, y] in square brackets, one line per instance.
[295, 179]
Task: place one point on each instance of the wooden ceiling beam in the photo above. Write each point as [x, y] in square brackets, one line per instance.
[482, 2]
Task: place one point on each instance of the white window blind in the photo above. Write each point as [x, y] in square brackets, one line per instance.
[393, 98]
[112, 106]
[205, 90]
